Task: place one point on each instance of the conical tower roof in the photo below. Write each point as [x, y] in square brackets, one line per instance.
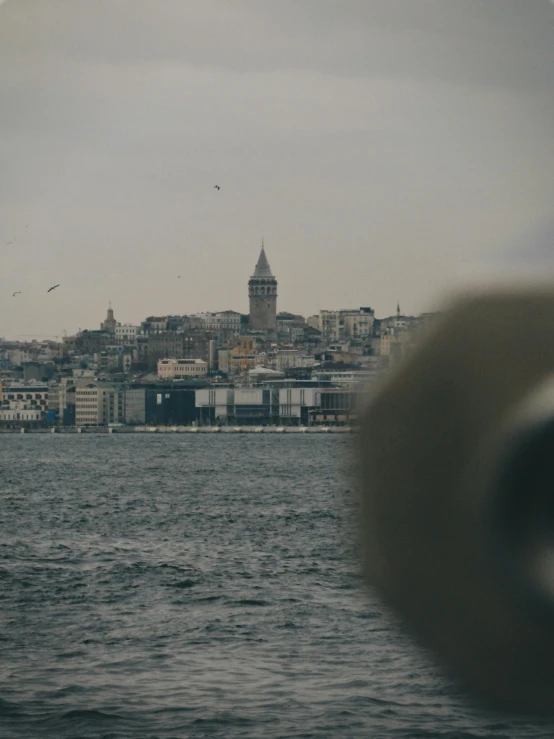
[262, 267]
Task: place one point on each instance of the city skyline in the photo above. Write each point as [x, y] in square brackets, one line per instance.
[261, 275]
[384, 151]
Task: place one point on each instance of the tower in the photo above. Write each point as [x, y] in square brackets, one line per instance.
[262, 291]
[110, 323]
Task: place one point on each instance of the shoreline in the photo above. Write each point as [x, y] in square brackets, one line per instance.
[183, 430]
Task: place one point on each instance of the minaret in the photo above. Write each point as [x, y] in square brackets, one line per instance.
[398, 310]
[262, 291]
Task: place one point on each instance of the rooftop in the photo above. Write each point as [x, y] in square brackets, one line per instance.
[262, 267]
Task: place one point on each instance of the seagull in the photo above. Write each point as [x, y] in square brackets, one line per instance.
[17, 292]
[52, 288]
[217, 187]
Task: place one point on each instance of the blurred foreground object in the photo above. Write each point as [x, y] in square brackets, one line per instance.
[457, 453]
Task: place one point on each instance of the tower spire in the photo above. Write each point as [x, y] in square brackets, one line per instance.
[262, 268]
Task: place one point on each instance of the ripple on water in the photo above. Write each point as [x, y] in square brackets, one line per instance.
[202, 587]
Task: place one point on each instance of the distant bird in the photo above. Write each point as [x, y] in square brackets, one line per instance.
[17, 292]
[52, 288]
[11, 242]
[178, 277]
[217, 187]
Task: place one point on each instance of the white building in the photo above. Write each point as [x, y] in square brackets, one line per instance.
[294, 403]
[19, 411]
[34, 396]
[220, 399]
[346, 378]
[285, 359]
[126, 333]
[355, 323]
[168, 369]
[227, 320]
[81, 373]
[291, 358]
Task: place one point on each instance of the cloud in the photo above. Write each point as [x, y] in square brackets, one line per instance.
[378, 146]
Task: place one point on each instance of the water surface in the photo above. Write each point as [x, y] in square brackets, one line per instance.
[201, 586]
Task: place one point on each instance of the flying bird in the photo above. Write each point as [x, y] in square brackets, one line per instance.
[17, 292]
[11, 242]
[52, 288]
[217, 187]
[178, 277]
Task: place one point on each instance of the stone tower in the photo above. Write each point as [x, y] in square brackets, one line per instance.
[110, 323]
[262, 291]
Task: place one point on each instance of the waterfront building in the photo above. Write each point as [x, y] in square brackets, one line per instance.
[111, 404]
[295, 404]
[35, 396]
[87, 412]
[18, 413]
[337, 407]
[271, 405]
[172, 405]
[135, 406]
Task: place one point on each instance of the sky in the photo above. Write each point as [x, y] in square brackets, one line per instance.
[385, 150]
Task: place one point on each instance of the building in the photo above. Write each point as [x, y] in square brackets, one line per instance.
[262, 293]
[286, 358]
[135, 406]
[19, 414]
[126, 333]
[295, 405]
[23, 405]
[34, 396]
[286, 406]
[347, 377]
[155, 325]
[67, 395]
[290, 327]
[240, 407]
[89, 342]
[101, 404]
[37, 371]
[168, 369]
[355, 323]
[111, 404]
[109, 324]
[214, 405]
[87, 412]
[170, 405]
[188, 345]
[227, 322]
[337, 407]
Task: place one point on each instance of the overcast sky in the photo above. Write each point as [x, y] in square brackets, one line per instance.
[385, 150]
